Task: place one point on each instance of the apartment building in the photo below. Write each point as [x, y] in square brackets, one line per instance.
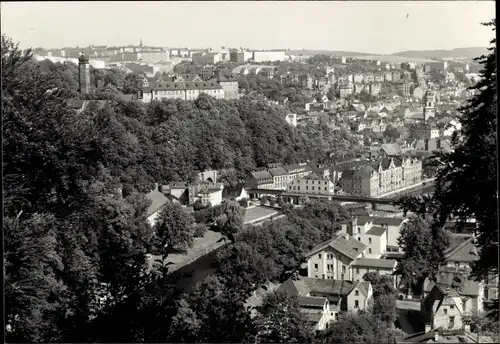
[388, 174]
[182, 90]
[312, 184]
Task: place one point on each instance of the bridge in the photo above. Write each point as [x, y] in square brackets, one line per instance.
[297, 198]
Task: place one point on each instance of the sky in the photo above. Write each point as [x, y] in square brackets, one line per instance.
[379, 27]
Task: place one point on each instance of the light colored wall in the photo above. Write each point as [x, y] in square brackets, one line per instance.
[352, 298]
[311, 186]
[338, 263]
[152, 218]
[442, 316]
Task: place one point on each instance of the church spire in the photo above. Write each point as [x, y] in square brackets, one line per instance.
[140, 44]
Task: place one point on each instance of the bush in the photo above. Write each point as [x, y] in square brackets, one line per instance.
[243, 202]
[198, 205]
[200, 230]
[263, 200]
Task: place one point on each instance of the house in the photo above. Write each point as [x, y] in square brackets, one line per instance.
[362, 266]
[387, 231]
[328, 298]
[442, 335]
[444, 307]
[210, 193]
[333, 259]
[432, 145]
[297, 170]
[312, 184]
[158, 200]
[261, 180]
[291, 119]
[257, 297]
[280, 178]
[390, 150]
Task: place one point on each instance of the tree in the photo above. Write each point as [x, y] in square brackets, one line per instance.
[423, 252]
[385, 296]
[279, 320]
[218, 306]
[466, 182]
[174, 230]
[392, 133]
[230, 220]
[132, 83]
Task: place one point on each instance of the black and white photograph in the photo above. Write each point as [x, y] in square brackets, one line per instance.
[259, 172]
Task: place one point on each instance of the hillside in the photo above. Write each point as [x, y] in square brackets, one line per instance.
[439, 54]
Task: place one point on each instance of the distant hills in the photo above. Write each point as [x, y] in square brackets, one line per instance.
[471, 52]
[440, 54]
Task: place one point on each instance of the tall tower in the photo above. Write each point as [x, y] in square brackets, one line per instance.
[84, 74]
[429, 105]
[140, 44]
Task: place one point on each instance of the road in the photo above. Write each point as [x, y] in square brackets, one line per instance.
[412, 305]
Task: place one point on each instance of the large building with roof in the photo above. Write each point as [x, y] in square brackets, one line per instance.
[321, 300]
[386, 175]
[183, 90]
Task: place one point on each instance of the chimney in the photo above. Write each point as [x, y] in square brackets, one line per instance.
[426, 141]
[438, 143]
[427, 328]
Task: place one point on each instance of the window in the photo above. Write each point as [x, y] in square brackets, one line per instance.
[457, 264]
[359, 238]
[329, 267]
[313, 188]
[315, 267]
[343, 268]
[357, 270]
[452, 306]
[369, 240]
[326, 188]
[445, 311]
[356, 293]
[369, 250]
[356, 303]
[359, 229]
[319, 256]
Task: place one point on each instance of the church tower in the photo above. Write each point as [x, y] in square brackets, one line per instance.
[429, 105]
[84, 74]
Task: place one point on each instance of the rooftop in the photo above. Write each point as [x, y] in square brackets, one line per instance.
[375, 263]
[376, 230]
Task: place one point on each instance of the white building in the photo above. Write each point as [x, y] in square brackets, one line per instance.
[312, 185]
[264, 56]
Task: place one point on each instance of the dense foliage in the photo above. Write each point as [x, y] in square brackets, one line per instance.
[466, 184]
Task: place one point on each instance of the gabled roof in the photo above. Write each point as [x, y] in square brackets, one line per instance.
[310, 301]
[375, 263]
[305, 286]
[260, 175]
[391, 148]
[278, 171]
[158, 200]
[376, 230]
[342, 243]
[463, 252]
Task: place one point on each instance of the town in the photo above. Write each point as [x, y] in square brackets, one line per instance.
[229, 194]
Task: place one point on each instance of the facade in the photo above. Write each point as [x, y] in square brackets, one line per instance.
[211, 193]
[375, 88]
[389, 174]
[206, 58]
[345, 90]
[229, 85]
[291, 119]
[312, 185]
[280, 178]
[429, 105]
[333, 259]
[342, 296]
[443, 307]
[264, 56]
[262, 180]
[363, 266]
[182, 90]
[152, 56]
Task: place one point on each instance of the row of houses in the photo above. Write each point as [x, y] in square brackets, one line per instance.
[218, 85]
[379, 177]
